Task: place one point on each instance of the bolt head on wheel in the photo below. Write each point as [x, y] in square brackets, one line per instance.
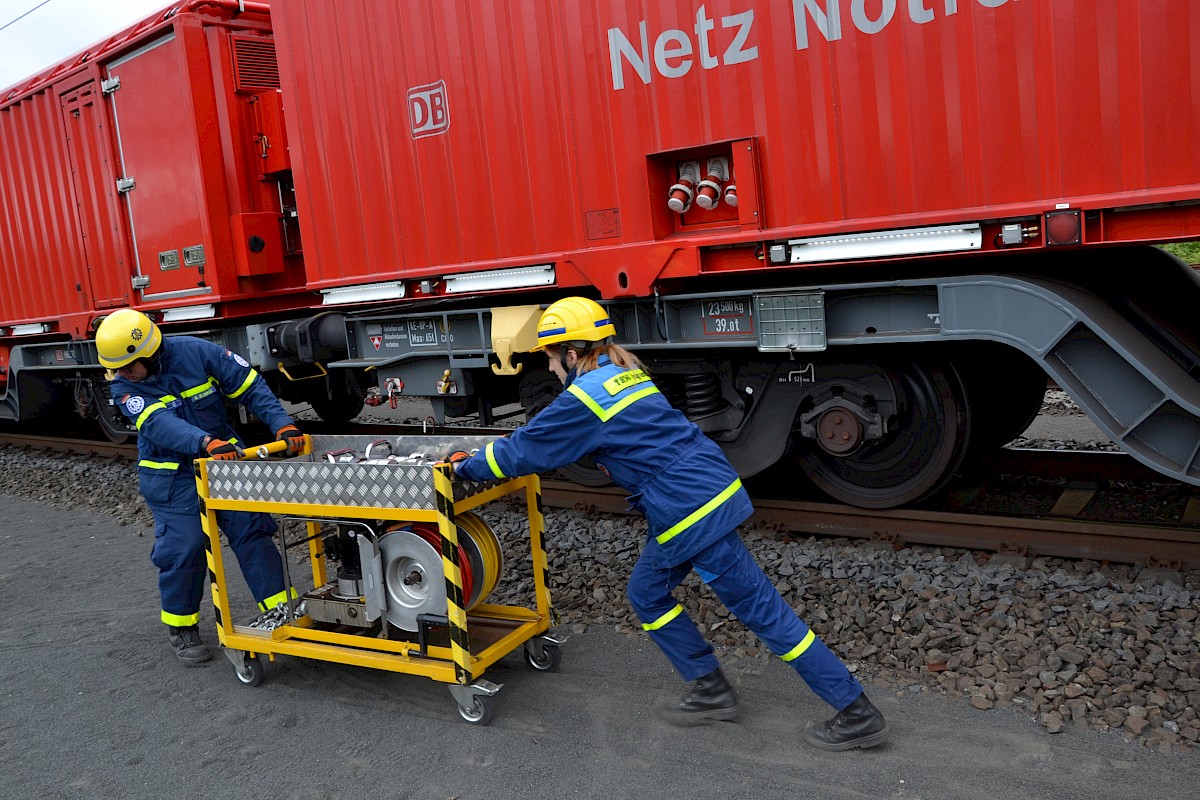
[839, 431]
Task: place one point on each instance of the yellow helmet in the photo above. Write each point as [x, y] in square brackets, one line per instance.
[126, 336]
[573, 319]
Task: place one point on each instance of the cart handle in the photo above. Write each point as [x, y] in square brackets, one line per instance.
[263, 450]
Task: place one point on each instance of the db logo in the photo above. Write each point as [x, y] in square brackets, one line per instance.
[427, 109]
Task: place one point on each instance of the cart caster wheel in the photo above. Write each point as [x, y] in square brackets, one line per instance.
[550, 660]
[480, 712]
[252, 672]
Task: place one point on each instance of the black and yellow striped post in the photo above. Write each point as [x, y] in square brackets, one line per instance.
[456, 611]
[537, 527]
[212, 547]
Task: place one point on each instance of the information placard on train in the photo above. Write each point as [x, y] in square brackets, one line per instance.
[422, 332]
[727, 317]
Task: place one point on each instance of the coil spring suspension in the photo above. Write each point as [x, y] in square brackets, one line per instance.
[703, 394]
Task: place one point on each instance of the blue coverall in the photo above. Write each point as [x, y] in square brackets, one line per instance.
[693, 502]
[179, 403]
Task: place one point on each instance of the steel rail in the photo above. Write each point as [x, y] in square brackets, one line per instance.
[1176, 547]
[1151, 545]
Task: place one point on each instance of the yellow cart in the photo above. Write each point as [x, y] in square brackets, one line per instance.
[394, 508]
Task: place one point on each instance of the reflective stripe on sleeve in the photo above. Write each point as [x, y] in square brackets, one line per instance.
[245, 385]
[158, 464]
[201, 390]
[491, 459]
[150, 409]
[799, 649]
[664, 619]
[701, 512]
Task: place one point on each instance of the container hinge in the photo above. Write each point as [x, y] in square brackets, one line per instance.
[110, 85]
[141, 281]
[124, 185]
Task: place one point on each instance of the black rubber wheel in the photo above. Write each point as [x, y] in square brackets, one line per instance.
[923, 447]
[480, 712]
[252, 671]
[550, 661]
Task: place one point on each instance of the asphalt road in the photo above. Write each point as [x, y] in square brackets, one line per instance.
[94, 705]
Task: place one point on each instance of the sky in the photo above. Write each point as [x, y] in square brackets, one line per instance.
[53, 30]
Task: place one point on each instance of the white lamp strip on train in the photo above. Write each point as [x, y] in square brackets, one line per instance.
[879, 244]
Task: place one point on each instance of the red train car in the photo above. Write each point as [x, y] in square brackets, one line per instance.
[854, 238]
[484, 136]
[148, 171]
[856, 235]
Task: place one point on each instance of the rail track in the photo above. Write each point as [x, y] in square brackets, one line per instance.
[1098, 506]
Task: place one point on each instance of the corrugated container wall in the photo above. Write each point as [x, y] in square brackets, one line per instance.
[138, 175]
[435, 134]
[40, 259]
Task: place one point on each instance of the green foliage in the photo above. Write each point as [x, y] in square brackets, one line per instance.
[1188, 251]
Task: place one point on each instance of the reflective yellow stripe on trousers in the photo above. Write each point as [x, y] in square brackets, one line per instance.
[699, 514]
[664, 619]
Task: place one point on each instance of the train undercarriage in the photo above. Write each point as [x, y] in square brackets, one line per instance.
[878, 393]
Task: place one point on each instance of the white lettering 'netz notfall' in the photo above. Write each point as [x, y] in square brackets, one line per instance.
[674, 52]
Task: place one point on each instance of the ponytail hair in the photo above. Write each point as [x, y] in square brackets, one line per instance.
[616, 354]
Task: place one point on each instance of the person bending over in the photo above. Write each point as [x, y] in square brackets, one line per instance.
[174, 391]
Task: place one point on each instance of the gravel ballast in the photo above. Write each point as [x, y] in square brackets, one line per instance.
[1074, 644]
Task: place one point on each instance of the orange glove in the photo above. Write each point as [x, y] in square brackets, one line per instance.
[294, 438]
[222, 450]
[455, 458]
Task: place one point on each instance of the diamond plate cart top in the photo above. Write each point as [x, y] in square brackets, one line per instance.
[406, 483]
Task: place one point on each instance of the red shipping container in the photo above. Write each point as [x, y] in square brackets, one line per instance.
[130, 175]
[437, 137]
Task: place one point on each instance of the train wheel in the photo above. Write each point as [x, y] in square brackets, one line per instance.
[336, 407]
[115, 431]
[1006, 390]
[924, 445]
[113, 424]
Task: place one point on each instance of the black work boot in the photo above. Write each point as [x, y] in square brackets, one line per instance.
[187, 645]
[707, 699]
[857, 725]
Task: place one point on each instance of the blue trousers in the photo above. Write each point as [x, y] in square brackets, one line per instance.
[179, 552]
[732, 573]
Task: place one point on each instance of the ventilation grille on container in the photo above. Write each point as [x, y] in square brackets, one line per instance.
[254, 64]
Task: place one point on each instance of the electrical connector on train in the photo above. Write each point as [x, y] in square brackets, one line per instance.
[1011, 234]
[731, 195]
[681, 193]
[708, 192]
[1015, 233]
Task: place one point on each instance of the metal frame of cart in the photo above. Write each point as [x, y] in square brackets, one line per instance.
[319, 491]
